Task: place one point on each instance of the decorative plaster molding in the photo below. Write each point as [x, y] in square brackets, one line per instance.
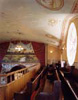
[75, 7]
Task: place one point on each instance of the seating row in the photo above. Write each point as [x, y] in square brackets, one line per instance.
[67, 89]
[56, 94]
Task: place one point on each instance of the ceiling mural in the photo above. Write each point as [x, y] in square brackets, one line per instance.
[52, 4]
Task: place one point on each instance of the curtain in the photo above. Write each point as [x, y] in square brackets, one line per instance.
[39, 49]
[3, 50]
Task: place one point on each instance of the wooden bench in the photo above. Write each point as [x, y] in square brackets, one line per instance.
[67, 89]
[55, 95]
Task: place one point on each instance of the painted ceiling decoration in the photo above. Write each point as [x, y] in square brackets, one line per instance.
[53, 22]
[52, 4]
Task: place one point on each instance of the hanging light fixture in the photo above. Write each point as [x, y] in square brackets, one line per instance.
[19, 48]
[51, 4]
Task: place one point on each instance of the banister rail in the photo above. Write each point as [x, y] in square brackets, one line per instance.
[20, 70]
[16, 71]
[32, 85]
[9, 77]
[2, 75]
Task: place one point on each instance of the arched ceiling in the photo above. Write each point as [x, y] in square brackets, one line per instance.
[28, 20]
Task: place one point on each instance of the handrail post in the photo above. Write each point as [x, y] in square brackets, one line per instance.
[6, 80]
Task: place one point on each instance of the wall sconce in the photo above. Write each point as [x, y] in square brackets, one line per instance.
[63, 48]
[51, 51]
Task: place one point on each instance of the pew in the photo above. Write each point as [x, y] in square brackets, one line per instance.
[71, 72]
[40, 84]
[55, 95]
[72, 76]
[67, 89]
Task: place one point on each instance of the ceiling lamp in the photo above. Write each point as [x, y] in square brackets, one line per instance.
[51, 4]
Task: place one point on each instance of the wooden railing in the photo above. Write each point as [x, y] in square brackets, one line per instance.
[7, 90]
[38, 76]
[7, 78]
[35, 82]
